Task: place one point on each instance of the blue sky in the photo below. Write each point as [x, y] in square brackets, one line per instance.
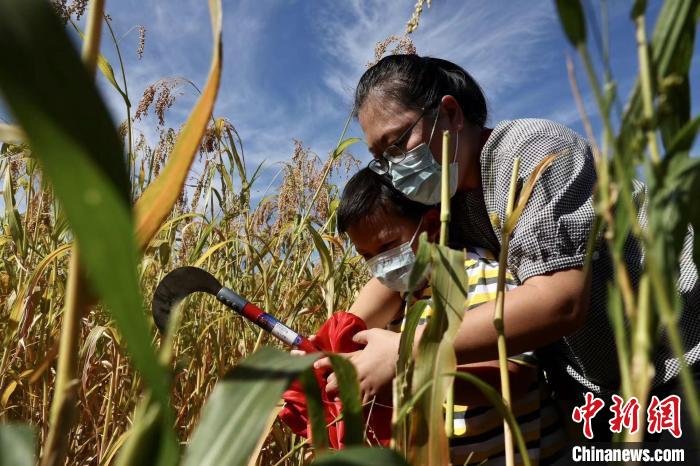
[290, 67]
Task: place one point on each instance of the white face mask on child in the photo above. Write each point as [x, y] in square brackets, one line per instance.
[393, 267]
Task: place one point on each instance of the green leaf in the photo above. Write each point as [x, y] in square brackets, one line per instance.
[674, 102]
[404, 370]
[625, 207]
[361, 456]
[674, 204]
[71, 132]
[53, 98]
[671, 54]
[413, 316]
[314, 407]
[235, 415]
[143, 445]
[48, 77]
[105, 68]
[685, 137]
[436, 356]
[328, 268]
[421, 268]
[17, 445]
[12, 218]
[350, 396]
[108, 72]
[616, 315]
[323, 252]
[572, 20]
[675, 26]
[344, 145]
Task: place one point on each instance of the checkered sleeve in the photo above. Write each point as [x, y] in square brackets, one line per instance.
[553, 229]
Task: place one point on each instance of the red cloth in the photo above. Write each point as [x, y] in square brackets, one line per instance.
[335, 336]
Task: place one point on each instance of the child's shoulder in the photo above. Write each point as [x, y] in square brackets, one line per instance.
[475, 256]
[482, 264]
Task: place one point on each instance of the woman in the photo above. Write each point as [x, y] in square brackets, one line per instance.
[403, 104]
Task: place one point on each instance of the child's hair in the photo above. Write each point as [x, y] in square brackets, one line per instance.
[367, 196]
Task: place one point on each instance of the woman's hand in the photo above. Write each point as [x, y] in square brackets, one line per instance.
[375, 364]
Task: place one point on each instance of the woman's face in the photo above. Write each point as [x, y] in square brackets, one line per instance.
[383, 122]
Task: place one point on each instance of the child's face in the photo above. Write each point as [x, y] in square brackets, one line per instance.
[389, 231]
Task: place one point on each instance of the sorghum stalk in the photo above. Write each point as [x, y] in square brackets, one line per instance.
[444, 224]
[498, 315]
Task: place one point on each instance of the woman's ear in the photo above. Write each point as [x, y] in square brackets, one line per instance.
[431, 221]
[453, 112]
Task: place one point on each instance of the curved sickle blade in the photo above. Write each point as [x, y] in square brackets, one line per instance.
[175, 287]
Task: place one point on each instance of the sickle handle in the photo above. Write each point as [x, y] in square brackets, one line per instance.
[264, 320]
[307, 345]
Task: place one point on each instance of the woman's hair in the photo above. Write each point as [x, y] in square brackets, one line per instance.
[369, 196]
[420, 82]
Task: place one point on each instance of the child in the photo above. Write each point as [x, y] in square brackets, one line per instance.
[384, 227]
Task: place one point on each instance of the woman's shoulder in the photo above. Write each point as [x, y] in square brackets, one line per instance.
[531, 140]
[511, 134]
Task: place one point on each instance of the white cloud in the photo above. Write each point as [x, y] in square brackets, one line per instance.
[493, 41]
[512, 48]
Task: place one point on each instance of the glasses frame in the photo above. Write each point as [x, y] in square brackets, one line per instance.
[380, 165]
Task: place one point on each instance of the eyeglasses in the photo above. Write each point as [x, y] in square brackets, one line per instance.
[394, 153]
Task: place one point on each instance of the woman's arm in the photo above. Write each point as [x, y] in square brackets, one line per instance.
[540, 311]
[376, 304]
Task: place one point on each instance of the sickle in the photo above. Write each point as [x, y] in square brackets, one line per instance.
[183, 281]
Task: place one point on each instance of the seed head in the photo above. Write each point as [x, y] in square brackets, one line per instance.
[60, 7]
[78, 7]
[200, 185]
[122, 130]
[412, 24]
[404, 45]
[142, 42]
[164, 101]
[209, 140]
[161, 92]
[145, 102]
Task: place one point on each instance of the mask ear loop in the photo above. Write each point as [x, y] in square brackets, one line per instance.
[456, 148]
[432, 131]
[416, 233]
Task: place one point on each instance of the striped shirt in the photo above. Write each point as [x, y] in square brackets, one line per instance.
[478, 430]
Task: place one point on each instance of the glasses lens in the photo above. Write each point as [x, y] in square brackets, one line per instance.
[394, 154]
[379, 166]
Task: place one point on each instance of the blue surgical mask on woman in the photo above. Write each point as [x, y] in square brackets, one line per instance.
[393, 267]
[419, 177]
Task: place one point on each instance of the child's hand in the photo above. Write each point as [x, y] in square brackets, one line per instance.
[375, 364]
